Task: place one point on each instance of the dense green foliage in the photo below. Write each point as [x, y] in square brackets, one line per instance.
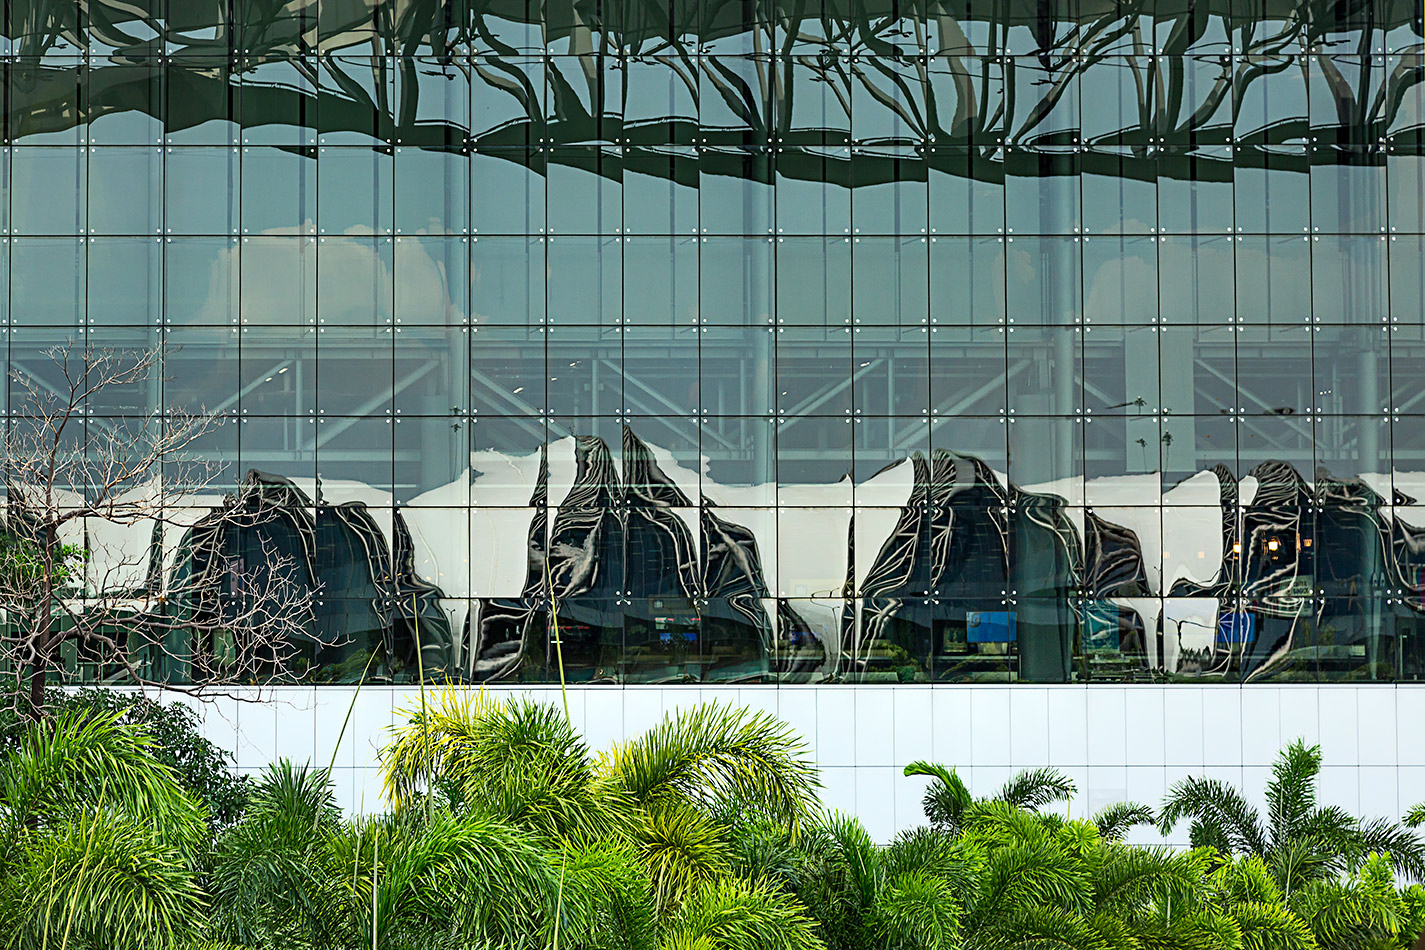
[199, 765]
[506, 832]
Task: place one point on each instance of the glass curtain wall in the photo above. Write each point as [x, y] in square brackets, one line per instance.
[841, 341]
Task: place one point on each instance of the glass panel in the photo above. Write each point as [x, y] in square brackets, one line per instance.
[432, 191]
[279, 191]
[354, 281]
[432, 280]
[660, 190]
[507, 370]
[47, 281]
[890, 281]
[201, 190]
[507, 280]
[660, 366]
[737, 281]
[125, 191]
[123, 100]
[48, 186]
[123, 283]
[660, 281]
[201, 280]
[278, 370]
[354, 373]
[356, 191]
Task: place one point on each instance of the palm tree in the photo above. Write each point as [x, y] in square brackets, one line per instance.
[1300, 841]
[267, 874]
[1334, 871]
[98, 839]
[641, 838]
[948, 798]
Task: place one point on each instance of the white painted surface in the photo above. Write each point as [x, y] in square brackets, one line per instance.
[1116, 742]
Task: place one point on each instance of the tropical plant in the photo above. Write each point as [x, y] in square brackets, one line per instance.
[1335, 872]
[659, 795]
[202, 768]
[947, 798]
[97, 839]
[1300, 841]
[507, 833]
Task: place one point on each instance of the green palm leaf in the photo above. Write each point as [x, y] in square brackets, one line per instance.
[920, 910]
[1219, 811]
[1291, 793]
[1035, 788]
[607, 900]
[267, 875]
[730, 913]
[62, 768]
[469, 874]
[1114, 821]
[99, 880]
[946, 798]
[719, 753]
[682, 849]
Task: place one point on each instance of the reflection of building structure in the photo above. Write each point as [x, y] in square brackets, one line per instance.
[1064, 342]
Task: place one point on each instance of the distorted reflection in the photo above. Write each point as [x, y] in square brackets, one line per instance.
[728, 342]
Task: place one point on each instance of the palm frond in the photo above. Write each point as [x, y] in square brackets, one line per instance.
[1019, 876]
[1405, 847]
[105, 879]
[1219, 809]
[1248, 879]
[267, 878]
[682, 849]
[1114, 821]
[1038, 928]
[1415, 817]
[760, 848]
[472, 874]
[857, 853]
[1035, 788]
[606, 900]
[1300, 860]
[996, 821]
[929, 851]
[730, 913]
[517, 759]
[1271, 927]
[1193, 929]
[917, 909]
[719, 753]
[946, 798]
[1128, 877]
[61, 768]
[1291, 792]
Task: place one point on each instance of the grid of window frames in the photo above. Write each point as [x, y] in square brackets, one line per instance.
[860, 343]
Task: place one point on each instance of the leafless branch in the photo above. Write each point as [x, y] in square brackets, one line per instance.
[124, 556]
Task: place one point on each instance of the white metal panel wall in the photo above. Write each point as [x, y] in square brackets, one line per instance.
[1117, 742]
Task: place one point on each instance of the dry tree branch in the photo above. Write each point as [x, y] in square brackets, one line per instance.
[122, 548]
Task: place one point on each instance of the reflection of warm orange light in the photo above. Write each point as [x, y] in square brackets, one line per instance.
[1237, 548]
[1273, 544]
[1306, 542]
[1201, 554]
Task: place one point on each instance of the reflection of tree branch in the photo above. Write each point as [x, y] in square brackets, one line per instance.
[905, 106]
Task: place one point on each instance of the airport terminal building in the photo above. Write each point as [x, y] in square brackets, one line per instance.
[1009, 382]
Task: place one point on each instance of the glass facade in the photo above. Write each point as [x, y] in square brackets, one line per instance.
[850, 340]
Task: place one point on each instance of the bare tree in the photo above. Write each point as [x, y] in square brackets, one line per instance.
[120, 549]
